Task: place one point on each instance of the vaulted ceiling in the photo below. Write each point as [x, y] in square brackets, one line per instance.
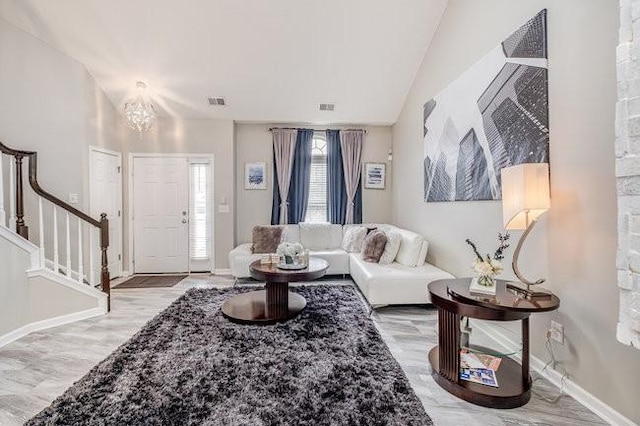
[272, 60]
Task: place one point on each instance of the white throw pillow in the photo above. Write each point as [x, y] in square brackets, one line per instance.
[353, 239]
[315, 236]
[391, 249]
[422, 257]
[410, 246]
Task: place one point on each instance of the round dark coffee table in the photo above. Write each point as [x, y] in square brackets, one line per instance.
[276, 303]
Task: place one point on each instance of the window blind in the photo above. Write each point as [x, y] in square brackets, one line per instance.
[317, 204]
[200, 211]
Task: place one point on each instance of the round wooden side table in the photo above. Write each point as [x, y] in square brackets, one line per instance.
[454, 301]
[276, 303]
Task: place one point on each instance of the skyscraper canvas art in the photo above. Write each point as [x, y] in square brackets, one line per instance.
[493, 116]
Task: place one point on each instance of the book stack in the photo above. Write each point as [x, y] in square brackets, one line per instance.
[479, 368]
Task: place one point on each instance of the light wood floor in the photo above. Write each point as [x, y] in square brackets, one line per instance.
[36, 369]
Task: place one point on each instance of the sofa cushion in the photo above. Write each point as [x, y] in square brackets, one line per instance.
[422, 257]
[315, 236]
[265, 239]
[391, 248]
[410, 245]
[394, 283]
[291, 234]
[373, 246]
[353, 239]
[338, 260]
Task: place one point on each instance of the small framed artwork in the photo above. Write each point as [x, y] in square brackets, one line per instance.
[255, 176]
[374, 175]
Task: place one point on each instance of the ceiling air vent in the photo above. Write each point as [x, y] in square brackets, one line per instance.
[327, 107]
[217, 101]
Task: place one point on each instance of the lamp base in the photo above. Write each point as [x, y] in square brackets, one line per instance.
[524, 291]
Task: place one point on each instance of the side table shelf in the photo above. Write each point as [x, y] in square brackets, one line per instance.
[514, 381]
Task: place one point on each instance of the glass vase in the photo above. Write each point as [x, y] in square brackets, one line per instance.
[487, 280]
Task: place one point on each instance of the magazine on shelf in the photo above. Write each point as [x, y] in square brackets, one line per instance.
[484, 376]
[479, 368]
[479, 360]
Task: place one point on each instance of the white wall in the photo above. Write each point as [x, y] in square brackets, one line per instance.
[192, 136]
[575, 244]
[50, 104]
[254, 143]
[14, 289]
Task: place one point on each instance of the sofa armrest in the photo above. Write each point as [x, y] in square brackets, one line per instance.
[241, 250]
[239, 260]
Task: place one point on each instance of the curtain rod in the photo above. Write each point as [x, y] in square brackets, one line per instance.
[271, 129]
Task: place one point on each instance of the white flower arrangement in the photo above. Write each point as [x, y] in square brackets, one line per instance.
[289, 249]
[488, 267]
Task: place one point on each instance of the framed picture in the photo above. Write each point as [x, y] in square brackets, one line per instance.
[374, 175]
[255, 176]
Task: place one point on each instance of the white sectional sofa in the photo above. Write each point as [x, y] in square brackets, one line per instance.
[404, 281]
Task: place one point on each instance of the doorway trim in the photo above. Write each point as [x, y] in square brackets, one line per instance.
[130, 212]
[120, 220]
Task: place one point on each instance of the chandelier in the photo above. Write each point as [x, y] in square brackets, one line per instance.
[139, 113]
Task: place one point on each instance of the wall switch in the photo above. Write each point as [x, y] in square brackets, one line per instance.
[556, 332]
[73, 198]
[223, 208]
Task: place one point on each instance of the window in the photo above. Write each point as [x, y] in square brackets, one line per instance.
[200, 214]
[317, 204]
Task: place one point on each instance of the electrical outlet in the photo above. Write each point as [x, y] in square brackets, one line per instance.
[556, 332]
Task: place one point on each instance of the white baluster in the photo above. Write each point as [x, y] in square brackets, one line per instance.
[68, 247]
[80, 265]
[92, 280]
[3, 213]
[56, 250]
[12, 194]
[41, 230]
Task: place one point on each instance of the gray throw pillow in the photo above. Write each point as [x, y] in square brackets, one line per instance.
[266, 238]
[353, 238]
[391, 248]
[373, 246]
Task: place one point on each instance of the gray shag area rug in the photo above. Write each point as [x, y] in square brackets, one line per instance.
[191, 366]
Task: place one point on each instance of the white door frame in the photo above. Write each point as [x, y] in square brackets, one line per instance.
[119, 220]
[132, 156]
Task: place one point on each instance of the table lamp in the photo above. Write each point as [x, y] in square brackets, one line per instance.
[525, 197]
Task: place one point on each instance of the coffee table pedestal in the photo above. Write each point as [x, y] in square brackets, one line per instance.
[264, 306]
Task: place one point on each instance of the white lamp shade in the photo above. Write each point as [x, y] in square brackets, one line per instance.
[525, 194]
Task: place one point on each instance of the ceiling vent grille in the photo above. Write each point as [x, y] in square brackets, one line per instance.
[327, 107]
[217, 101]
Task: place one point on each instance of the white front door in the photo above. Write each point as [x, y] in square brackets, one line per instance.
[161, 214]
[106, 197]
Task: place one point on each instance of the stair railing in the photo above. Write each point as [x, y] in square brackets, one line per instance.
[17, 221]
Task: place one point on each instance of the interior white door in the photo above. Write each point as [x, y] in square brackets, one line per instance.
[161, 214]
[106, 197]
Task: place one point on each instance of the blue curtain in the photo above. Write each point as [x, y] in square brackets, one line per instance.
[300, 177]
[336, 190]
[300, 180]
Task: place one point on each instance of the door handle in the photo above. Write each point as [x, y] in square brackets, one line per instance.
[184, 220]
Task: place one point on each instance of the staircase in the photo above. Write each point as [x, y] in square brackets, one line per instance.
[49, 273]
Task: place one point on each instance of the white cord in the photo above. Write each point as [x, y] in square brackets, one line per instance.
[554, 365]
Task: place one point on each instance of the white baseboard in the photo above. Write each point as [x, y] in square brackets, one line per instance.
[48, 323]
[226, 271]
[606, 412]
